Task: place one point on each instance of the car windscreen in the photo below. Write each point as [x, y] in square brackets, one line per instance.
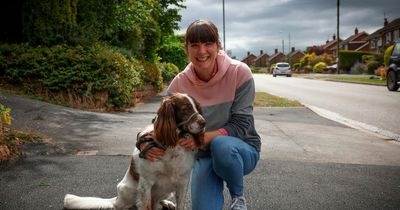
[282, 65]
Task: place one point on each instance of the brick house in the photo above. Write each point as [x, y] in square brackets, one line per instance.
[385, 36]
[356, 42]
[277, 57]
[262, 60]
[249, 59]
[330, 47]
[294, 56]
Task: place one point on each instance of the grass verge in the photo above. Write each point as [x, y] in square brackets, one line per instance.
[267, 100]
[362, 80]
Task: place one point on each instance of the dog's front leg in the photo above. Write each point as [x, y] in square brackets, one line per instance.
[144, 194]
[180, 194]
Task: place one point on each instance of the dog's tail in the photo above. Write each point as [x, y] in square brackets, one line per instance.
[76, 202]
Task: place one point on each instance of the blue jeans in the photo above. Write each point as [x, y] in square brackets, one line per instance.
[231, 158]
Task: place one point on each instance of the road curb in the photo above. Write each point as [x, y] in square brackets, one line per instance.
[381, 133]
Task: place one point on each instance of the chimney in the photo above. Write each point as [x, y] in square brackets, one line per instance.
[261, 52]
[248, 53]
[292, 49]
[276, 51]
[327, 41]
[385, 23]
[356, 31]
[334, 37]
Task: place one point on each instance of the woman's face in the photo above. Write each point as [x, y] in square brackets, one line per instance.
[202, 55]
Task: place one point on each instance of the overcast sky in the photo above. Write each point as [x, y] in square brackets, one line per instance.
[254, 25]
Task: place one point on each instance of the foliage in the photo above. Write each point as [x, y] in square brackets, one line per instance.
[319, 67]
[172, 51]
[5, 115]
[152, 75]
[169, 71]
[358, 68]
[386, 55]
[348, 58]
[81, 70]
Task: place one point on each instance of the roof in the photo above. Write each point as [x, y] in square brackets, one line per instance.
[261, 56]
[390, 26]
[353, 37]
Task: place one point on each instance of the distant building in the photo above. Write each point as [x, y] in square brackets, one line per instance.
[355, 42]
[294, 56]
[249, 59]
[262, 60]
[330, 47]
[385, 36]
[277, 57]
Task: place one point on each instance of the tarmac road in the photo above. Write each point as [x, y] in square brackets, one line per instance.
[307, 162]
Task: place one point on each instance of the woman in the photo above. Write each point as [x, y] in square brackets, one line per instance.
[225, 89]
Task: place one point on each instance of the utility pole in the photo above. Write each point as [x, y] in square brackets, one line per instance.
[338, 38]
[223, 21]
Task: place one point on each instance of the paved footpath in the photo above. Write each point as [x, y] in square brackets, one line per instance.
[307, 162]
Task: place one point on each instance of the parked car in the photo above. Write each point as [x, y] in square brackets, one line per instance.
[282, 69]
[393, 70]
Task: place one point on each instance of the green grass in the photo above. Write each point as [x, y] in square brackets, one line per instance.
[362, 80]
[267, 100]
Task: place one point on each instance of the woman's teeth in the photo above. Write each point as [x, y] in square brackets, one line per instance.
[202, 59]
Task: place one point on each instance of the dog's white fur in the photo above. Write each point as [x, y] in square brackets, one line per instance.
[157, 181]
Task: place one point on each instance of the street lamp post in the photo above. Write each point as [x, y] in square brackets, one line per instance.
[223, 21]
[338, 38]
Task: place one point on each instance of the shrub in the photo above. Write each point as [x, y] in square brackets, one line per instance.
[319, 67]
[168, 71]
[358, 68]
[83, 71]
[386, 55]
[348, 58]
[372, 66]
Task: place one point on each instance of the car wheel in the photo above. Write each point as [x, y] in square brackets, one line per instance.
[288, 75]
[391, 81]
[274, 75]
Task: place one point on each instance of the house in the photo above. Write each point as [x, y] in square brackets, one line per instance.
[277, 57]
[355, 42]
[249, 59]
[385, 36]
[294, 56]
[262, 60]
[330, 47]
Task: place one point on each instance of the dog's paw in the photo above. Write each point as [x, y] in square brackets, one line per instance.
[167, 205]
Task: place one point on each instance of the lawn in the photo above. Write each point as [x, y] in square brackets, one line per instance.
[267, 100]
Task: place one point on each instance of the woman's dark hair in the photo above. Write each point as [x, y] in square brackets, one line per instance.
[201, 31]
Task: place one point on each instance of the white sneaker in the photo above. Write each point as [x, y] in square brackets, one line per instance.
[238, 203]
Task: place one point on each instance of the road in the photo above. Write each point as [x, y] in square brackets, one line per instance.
[307, 161]
[370, 107]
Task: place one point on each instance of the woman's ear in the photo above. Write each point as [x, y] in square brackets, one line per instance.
[219, 45]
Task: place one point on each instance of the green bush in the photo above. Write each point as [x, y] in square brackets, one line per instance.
[348, 58]
[172, 51]
[372, 66]
[386, 55]
[319, 67]
[152, 75]
[358, 68]
[168, 71]
[80, 70]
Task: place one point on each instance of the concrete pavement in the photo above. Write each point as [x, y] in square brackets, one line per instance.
[307, 162]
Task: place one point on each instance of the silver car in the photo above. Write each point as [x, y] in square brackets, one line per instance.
[282, 69]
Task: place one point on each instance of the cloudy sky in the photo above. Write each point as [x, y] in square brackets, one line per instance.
[254, 25]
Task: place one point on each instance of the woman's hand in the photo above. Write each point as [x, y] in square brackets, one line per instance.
[187, 142]
[152, 154]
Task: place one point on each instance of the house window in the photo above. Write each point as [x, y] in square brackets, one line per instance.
[373, 43]
[396, 35]
[388, 37]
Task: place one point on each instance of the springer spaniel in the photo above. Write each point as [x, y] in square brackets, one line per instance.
[148, 184]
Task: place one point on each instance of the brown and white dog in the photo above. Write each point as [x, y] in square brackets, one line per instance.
[154, 182]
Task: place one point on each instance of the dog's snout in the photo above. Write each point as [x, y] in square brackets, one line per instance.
[202, 122]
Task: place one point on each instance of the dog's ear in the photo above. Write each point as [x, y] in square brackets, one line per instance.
[165, 125]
